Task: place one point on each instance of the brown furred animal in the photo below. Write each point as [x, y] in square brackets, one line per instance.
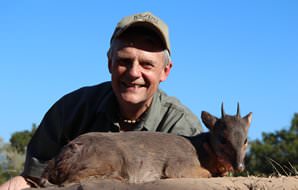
[223, 148]
[137, 157]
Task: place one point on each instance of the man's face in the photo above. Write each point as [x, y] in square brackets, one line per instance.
[137, 66]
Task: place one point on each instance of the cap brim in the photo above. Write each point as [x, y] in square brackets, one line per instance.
[146, 25]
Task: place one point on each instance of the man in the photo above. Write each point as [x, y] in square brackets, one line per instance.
[138, 60]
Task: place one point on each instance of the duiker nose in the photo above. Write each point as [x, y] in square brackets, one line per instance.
[240, 167]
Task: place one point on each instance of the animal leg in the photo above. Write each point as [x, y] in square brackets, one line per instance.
[186, 171]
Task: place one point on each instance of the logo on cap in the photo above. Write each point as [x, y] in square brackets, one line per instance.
[146, 18]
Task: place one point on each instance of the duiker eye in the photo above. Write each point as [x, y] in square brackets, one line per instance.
[223, 140]
[245, 142]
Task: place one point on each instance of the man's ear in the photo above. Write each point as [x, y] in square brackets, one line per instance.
[166, 71]
[110, 65]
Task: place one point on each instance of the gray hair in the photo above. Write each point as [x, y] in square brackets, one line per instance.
[167, 57]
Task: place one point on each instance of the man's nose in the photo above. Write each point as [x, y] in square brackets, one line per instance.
[134, 70]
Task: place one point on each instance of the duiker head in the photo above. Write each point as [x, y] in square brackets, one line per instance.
[228, 138]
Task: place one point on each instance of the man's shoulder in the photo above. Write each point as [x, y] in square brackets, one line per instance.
[90, 91]
[86, 95]
[177, 114]
[171, 102]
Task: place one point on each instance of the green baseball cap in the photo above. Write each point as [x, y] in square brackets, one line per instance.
[146, 20]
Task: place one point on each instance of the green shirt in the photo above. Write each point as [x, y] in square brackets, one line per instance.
[95, 108]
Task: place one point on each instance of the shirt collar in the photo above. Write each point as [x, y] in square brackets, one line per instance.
[153, 115]
[109, 106]
[151, 119]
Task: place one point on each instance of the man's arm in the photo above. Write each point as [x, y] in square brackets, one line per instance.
[65, 120]
[45, 143]
[15, 183]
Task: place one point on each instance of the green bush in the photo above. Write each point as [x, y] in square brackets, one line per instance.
[276, 153]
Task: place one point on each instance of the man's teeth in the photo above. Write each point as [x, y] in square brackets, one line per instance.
[133, 85]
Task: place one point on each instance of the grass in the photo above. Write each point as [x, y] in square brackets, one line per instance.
[283, 170]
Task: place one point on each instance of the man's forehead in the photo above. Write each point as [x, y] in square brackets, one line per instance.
[141, 37]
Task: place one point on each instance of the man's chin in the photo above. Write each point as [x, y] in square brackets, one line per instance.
[131, 100]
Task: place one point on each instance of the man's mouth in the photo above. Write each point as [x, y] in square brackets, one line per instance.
[132, 85]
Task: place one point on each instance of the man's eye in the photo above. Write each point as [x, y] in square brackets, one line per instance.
[123, 62]
[147, 65]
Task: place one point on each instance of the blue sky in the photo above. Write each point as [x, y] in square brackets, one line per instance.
[223, 51]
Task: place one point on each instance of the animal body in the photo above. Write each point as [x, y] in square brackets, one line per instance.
[138, 157]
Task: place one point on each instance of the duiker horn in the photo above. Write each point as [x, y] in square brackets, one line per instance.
[223, 114]
[238, 110]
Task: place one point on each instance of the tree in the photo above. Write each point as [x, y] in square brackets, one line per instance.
[276, 152]
[12, 155]
[19, 140]
[3, 177]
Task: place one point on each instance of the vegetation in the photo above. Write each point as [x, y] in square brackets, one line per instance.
[276, 153]
[19, 140]
[12, 155]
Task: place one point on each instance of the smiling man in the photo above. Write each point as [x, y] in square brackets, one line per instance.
[138, 61]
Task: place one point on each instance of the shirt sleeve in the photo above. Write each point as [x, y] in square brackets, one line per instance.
[45, 143]
[187, 125]
[168, 114]
[69, 117]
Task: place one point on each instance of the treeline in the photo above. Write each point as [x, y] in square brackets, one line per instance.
[12, 154]
[275, 154]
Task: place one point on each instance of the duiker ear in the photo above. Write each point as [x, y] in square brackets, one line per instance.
[248, 118]
[208, 119]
